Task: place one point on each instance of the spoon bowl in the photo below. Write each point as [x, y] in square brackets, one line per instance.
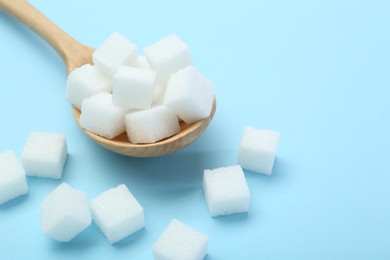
[74, 54]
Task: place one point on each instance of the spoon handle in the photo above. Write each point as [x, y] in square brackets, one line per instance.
[73, 53]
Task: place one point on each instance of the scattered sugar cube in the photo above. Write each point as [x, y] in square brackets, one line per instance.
[44, 154]
[12, 177]
[257, 150]
[117, 213]
[180, 241]
[84, 82]
[65, 213]
[113, 53]
[167, 56]
[101, 117]
[151, 125]
[226, 190]
[190, 95]
[133, 87]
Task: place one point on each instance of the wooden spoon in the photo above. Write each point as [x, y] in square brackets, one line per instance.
[74, 54]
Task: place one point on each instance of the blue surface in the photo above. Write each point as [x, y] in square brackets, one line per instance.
[317, 71]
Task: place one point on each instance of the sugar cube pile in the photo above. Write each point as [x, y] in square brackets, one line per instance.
[168, 56]
[126, 82]
[117, 213]
[145, 97]
[226, 190]
[257, 150]
[163, 120]
[100, 116]
[84, 82]
[114, 52]
[65, 213]
[189, 94]
[44, 154]
[12, 177]
[142, 62]
[133, 87]
[180, 241]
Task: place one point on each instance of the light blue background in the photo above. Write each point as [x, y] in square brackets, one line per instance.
[317, 71]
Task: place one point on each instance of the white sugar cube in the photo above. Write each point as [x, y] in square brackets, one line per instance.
[190, 95]
[257, 150]
[133, 87]
[113, 53]
[159, 94]
[117, 213]
[167, 56]
[101, 117]
[142, 62]
[180, 241]
[226, 191]
[151, 125]
[84, 82]
[65, 213]
[44, 154]
[12, 177]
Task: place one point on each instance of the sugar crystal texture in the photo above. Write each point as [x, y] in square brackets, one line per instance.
[101, 117]
[117, 213]
[257, 150]
[114, 52]
[226, 190]
[12, 177]
[190, 95]
[44, 154]
[65, 213]
[133, 87]
[84, 82]
[180, 241]
[151, 125]
[167, 56]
